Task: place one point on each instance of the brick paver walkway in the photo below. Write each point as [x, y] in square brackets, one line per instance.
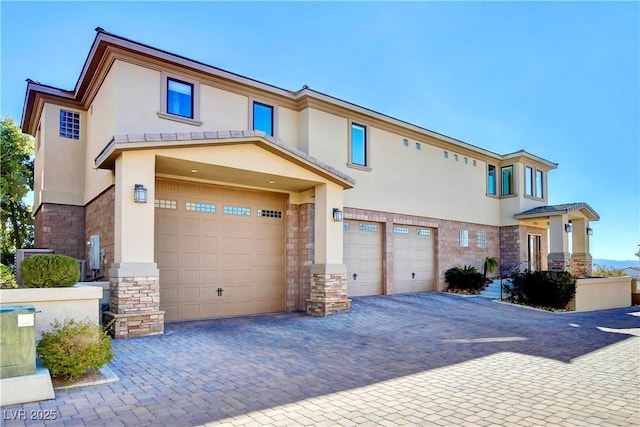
[423, 359]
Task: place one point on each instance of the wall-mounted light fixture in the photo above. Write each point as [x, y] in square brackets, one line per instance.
[337, 215]
[590, 231]
[567, 228]
[139, 194]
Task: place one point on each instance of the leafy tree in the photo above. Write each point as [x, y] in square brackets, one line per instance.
[490, 264]
[16, 170]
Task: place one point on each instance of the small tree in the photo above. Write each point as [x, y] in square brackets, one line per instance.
[16, 180]
[490, 265]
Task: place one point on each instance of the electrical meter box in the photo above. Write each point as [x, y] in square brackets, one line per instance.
[17, 340]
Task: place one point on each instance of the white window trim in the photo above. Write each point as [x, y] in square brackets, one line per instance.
[275, 114]
[163, 114]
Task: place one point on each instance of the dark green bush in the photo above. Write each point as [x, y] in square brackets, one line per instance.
[50, 271]
[7, 280]
[552, 289]
[74, 348]
[465, 278]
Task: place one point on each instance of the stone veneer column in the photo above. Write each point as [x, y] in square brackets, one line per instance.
[581, 261]
[134, 305]
[559, 258]
[134, 276]
[328, 273]
[328, 290]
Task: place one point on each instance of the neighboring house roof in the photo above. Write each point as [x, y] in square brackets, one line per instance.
[566, 208]
[119, 143]
[105, 42]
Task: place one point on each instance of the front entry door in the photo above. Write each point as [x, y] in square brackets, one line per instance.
[534, 252]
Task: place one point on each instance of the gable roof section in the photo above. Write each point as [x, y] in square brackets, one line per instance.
[147, 141]
[567, 208]
[81, 95]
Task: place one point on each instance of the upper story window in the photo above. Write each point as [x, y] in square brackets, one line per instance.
[539, 184]
[69, 124]
[528, 181]
[180, 98]
[358, 145]
[263, 118]
[491, 180]
[506, 184]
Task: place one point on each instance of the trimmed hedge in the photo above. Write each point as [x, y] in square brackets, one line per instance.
[50, 271]
[466, 278]
[7, 280]
[551, 289]
[74, 348]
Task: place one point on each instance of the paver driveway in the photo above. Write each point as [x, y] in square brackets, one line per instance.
[421, 359]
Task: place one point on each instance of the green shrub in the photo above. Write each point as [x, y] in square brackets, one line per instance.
[7, 280]
[50, 271]
[552, 289]
[604, 271]
[465, 278]
[74, 348]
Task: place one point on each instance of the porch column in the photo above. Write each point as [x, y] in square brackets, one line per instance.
[581, 261]
[134, 306]
[328, 272]
[559, 258]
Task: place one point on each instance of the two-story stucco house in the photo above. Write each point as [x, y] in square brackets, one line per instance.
[216, 195]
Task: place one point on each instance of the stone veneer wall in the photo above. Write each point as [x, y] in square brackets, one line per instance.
[299, 254]
[61, 228]
[448, 252]
[510, 248]
[134, 307]
[100, 213]
[452, 254]
[514, 249]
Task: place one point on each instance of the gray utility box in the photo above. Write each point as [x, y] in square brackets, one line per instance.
[17, 340]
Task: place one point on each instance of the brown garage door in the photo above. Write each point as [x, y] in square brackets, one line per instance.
[220, 250]
[413, 259]
[363, 257]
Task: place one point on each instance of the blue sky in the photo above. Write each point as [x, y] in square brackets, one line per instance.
[559, 79]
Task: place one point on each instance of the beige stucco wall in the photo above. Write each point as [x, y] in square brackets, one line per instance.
[101, 125]
[138, 101]
[242, 156]
[79, 302]
[287, 127]
[59, 171]
[602, 293]
[134, 222]
[403, 179]
[38, 165]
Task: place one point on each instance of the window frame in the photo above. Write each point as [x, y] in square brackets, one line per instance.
[540, 178]
[274, 116]
[367, 156]
[463, 238]
[513, 181]
[72, 132]
[495, 181]
[195, 99]
[529, 181]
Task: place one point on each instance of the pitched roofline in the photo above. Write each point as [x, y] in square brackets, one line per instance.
[119, 143]
[104, 38]
[546, 211]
